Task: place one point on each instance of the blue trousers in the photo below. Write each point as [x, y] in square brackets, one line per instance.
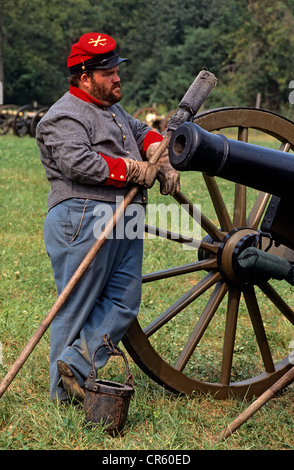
[107, 298]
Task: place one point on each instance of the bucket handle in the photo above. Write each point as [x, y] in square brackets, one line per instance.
[114, 351]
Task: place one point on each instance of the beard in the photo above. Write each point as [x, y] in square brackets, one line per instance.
[106, 96]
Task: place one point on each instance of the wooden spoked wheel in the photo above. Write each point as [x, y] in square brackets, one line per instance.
[36, 119]
[7, 114]
[22, 119]
[150, 115]
[209, 355]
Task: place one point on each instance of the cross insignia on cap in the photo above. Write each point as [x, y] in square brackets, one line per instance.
[93, 51]
[98, 41]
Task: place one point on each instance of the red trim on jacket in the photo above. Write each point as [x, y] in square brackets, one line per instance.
[83, 95]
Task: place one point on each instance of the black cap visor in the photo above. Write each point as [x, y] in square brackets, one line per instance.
[99, 62]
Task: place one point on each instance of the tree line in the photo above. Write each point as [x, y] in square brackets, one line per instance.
[247, 44]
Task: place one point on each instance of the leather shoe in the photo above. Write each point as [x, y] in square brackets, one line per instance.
[69, 382]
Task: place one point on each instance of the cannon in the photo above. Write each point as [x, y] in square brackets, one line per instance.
[26, 119]
[151, 116]
[7, 115]
[194, 149]
[234, 273]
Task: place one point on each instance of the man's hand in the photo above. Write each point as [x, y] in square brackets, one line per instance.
[167, 176]
[142, 173]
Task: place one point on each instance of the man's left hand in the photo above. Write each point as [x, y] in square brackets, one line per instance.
[167, 176]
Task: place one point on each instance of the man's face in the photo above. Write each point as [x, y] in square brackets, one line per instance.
[104, 86]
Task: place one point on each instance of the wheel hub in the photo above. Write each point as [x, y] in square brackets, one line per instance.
[230, 248]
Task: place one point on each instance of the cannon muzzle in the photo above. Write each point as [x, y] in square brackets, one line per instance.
[194, 149]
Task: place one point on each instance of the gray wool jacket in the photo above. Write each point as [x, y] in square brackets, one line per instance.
[74, 135]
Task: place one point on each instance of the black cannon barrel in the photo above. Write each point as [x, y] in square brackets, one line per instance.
[194, 149]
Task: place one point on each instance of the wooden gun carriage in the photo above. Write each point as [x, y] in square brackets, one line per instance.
[22, 120]
[257, 218]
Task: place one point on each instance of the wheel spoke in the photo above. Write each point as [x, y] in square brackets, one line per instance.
[239, 217]
[285, 147]
[206, 224]
[230, 333]
[203, 322]
[205, 283]
[218, 204]
[257, 210]
[277, 300]
[256, 320]
[192, 242]
[206, 264]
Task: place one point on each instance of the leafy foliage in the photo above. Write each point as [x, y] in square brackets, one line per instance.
[247, 44]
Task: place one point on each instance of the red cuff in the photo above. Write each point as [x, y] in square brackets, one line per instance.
[150, 138]
[117, 171]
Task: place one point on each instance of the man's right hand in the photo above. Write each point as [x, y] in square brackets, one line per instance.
[142, 173]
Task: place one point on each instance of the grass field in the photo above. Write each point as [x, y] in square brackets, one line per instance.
[157, 420]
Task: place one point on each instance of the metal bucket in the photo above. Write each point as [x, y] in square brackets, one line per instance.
[108, 402]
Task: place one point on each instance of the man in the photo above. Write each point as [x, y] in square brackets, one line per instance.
[93, 152]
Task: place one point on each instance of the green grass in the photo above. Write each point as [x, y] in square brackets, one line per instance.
[157, 419]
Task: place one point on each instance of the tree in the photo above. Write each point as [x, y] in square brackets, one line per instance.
[247, 44]
[37, 37]
[263, 55]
